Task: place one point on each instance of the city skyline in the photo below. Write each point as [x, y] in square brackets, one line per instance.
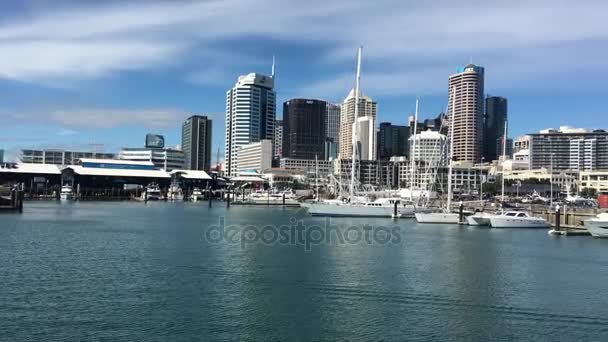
[67, 87]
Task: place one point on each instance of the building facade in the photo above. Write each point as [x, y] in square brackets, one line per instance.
[278, 138]
[466, 92]
[366, 137]
[163, 158]
[304, 130]
[196, 143]
[250, 114]
[332, 123]
[597, 180]
[429, 148]
[569, 149]
[494, 127]
[367, 107]
[254, 157]
[392, 140]
[521, 143]
[307, 166]
[59, 157]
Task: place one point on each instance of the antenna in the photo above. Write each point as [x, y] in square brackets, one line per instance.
[272, 71]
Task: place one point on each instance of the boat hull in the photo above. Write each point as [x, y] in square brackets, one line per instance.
[478, 220]
[597, 228]
[515, 222]
[348, 210]
[441, 218]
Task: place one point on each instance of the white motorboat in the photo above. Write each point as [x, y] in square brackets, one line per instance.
[67, 193]
[598, 226]
[381, 207]
[175, 193]
[153, 193]
[517, 219]
[196, 195]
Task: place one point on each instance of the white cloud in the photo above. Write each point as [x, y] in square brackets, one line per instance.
[94, 118]
[410, 43]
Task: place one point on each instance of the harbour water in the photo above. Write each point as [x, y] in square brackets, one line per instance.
[125, 271]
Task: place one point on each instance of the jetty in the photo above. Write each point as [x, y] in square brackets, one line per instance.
[11, 199]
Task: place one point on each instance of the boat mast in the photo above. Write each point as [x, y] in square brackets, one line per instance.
[451, 154]
[504, 159]
[413, 153]
[355, 132]
[317, 177]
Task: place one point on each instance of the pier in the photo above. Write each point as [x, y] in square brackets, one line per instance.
[12, 201]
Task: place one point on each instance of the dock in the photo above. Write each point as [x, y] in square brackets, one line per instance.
[12, 202]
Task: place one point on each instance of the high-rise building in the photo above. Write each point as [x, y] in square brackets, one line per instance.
[494, 126]
[278, 138]
[467, 88]
[366, 137]
[430, 148]
[250, 114]
[569, 149]
[196, 143]
[392, 141]
[367, 107]
[256, 157]
[304, 130]
[332, 123]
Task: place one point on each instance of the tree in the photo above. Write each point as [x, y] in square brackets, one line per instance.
[589, 192]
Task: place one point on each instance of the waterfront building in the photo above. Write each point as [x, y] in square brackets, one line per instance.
[392, 140]
[306, 166]
[378, 173]
[278, 138]
[196, 142]
[569, 149]
[562, 180]
[597, 180]
[332, 123]
[467, 86]
[366, 137]
[521, 143]
[58, 156]
[163, 158]
[430, 148]
[250, 115]
[256, 157]
[494, 127]
[304, 130]
[367, 107]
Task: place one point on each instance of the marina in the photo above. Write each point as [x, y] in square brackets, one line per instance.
[148, 271]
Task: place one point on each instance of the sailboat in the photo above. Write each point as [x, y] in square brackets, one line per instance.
[353, 206]
[446, 216]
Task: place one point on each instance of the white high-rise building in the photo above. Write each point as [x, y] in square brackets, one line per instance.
[250, 114]
[429, 147]
[467, 85]
[367, 107]
[366, 137]
[583, 154]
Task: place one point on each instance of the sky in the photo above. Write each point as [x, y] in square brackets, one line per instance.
[93, 75]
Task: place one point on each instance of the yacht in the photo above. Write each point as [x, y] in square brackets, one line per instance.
[381, 207]
[598, 226]
[517, 219]
[480, 219]
[175, 193]
[67, 193]
[197, 195]
[153, 193]
[438, 217]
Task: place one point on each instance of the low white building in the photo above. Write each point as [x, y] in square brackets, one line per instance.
[163, 158]
[254, 157]
[597, 180]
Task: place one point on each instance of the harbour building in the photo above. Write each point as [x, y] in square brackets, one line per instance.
[569, 148]
[494, 127]
[58, 156]
[466, 91]
[367, 107]
[196, 143]
[163, 158]
[304, 128]
[250, 114]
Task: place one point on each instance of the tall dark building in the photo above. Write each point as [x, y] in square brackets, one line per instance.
[304, 130]
[494, 126]
[196, 143]
[392, 141]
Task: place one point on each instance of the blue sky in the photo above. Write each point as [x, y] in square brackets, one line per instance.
[97, 75]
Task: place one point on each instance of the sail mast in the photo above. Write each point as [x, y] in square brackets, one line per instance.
[504, 159]
[413, 153]
[355, 131]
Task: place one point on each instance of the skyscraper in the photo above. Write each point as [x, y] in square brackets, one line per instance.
[304, 128]
[494, 126]
[392, 141]
[367, 107]
[278, 138]
[467, 87]
[196, 143]
[250, 114]
[332, 123]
